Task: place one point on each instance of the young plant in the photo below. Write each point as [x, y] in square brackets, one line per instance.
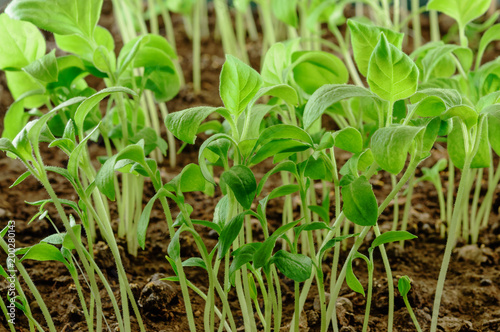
[404, 286]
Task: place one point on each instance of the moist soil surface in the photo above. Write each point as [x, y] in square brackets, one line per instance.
[471, 300]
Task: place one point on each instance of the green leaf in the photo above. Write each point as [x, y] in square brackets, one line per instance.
[184, 7]
[331, 243]
[274, 64]
[328, 95]
[21, 84]
[463, 11]
[189, 179]
[174, 247]
[22, 43]
[285, 166]
[392, 75]
[20, 179]
[44, 252]
[391, 236]
[351, 279]
[67, 242]
[275, 147]
[313, 69]
[194, 262]
[80, 46]
[494, 131]
[286, 11]
[61, 17]
[263, 254]
[321, 211]
[241, 181]
[89, 103]
[284, 131]
[44, 69]
[456, 146]
[184, 124]
[242, 256]
[390, 146]
[239, 83]
[404, 285]
[15, 119]
[360, 204]
[348, 139]
[466, 113]
[434, 56]
[364, 39]
[297, 267]
[491, 35]
[142, 224]
[229, 233]
[105, 177]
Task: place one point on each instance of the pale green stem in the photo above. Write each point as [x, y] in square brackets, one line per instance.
[417, 30]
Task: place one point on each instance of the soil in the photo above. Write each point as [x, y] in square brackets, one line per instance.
[471, 301]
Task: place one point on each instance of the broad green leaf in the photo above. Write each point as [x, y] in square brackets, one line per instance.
[321, 211]
[229, 233]
[392, 75]
[463, 11]
[263, 254]
[282, 91]
[316, 168]
[184, 7]
[44, 69]
[491, 35]
[68, 243]
[284, 131]
[274, 64]
[360, 204]
[15, 119]
[21, 84]
[466, 113]
[239, 83]
[62, 17]
[328, 95]
[404, 285]
[364, 39]
[275, 147]
[434, 56]
[105, 177]
[297, 267]
[313, 69]
[457, 144]
[391, 236]
[242, 256]
[390, 146]
[80, 46]
[184, 124]
[286, 11]
[44, 252]
[348, 139]
[22, 43]
[241, 181]
[189, 179]
[311, 226]
[284, 190]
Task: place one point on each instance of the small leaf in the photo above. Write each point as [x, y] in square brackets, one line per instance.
[348, 139]
[390, 146]
[263, 254]
[391, 236]
[364, 39]
[44, 252]
[68, 242]
[463, 11]
[229, 233]
[241, 181]
[189, 179]
[360, 204]
[328, 95]
[331, 243]
[44, 69]
[194, 262]
[297, 267]
[238, 84]
[352, 281]
[285, 11]
[313, 69]
[242, 256]
[404, 285]
[491, 35]
[392, 75]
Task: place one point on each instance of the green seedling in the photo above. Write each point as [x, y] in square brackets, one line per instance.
[404, 286]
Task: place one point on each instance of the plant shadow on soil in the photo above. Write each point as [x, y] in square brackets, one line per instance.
[471, 299]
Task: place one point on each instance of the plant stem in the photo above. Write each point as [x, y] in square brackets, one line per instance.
[369, 295]
[451, 189]
[434, 22]
[395, 221]
[417, 33]
[406, 212]
[412, 315]
[452, 233]
[196, 47]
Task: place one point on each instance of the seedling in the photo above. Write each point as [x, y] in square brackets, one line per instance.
[404, 286]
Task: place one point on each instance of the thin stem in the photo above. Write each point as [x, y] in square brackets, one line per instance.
[434, 22]
[196, 47]
[412, 315]
[407, 208]
[417, 30]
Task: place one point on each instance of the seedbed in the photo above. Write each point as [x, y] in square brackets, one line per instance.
[471, 296]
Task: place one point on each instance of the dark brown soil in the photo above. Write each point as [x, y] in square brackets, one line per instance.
[472, 297]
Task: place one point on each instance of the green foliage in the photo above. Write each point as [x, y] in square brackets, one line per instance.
[360, 204]
[463, 11]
